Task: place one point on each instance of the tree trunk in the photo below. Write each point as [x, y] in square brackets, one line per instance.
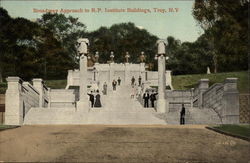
[215, 63]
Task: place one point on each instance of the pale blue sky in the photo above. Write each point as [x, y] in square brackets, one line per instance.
[181, 25]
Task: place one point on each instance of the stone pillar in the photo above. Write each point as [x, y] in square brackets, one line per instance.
[111, 72]
[230, 102]
[13, 102]
[161, 101]
[111, 67]
[69, 78]
[203, 86]
[38, 85]
[127, 74]
[83, 103]
[142, 71]
[162, 105]
[127, 56]
[49, 98]
[96, 58]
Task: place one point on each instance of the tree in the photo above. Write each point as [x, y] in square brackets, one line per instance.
[65, 29]
[4, 19]
[29, 50]
[225, 24]
[18, 45]
[121, 38]
[187, 57]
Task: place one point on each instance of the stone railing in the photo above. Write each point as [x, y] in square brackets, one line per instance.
[21, 96]
[223, 98]
[30, 97]
[195, 96]
[43, 90]
[212, 98]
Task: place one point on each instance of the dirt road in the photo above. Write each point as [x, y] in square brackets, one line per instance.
[98, 143]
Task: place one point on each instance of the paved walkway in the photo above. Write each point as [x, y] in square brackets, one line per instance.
[109, 144]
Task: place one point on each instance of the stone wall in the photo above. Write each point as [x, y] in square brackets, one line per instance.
[244, 108]
[21, 96]
[63, 98]
[223, 98]
[176, 98]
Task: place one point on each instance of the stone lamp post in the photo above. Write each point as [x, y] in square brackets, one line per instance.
[127, 56]
[142, 57]
[97, 57]
[162, 106]
[112, 56]
[82, 49]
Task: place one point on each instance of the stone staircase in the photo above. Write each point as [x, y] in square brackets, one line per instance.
[120, 109]
[193, 116]
[117, 108]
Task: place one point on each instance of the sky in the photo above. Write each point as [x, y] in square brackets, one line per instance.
[159, 21]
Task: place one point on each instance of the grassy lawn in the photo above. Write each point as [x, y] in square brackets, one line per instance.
[56, 84]
[190, 81]
[238, 130]
[5, 127]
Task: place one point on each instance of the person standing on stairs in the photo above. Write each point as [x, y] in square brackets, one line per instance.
[119, 81]
[153, 98]
[182, 113]
[146, 98]
[91, 98]
[105, 88]
[114, 85]
[139, 80]
[133, 81]
[98, 100]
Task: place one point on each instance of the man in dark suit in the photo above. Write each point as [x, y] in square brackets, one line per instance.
[91, 98]
[119, 81]
[146, 98]
[182, 113]
[139, 80]
[153, 98]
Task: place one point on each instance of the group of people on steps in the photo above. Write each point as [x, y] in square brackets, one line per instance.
[95, 97]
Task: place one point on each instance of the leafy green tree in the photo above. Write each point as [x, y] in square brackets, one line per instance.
[226, 26]
[18, 46]
[187, 57]
[29, 50]
[65, 29]
[122, 38]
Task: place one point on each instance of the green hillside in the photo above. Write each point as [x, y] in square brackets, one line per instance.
[190, 81]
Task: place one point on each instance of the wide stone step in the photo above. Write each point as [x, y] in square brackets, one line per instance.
[71, 116]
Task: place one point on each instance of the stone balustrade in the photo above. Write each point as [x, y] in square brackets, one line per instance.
[21, 96]
[212, 98]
